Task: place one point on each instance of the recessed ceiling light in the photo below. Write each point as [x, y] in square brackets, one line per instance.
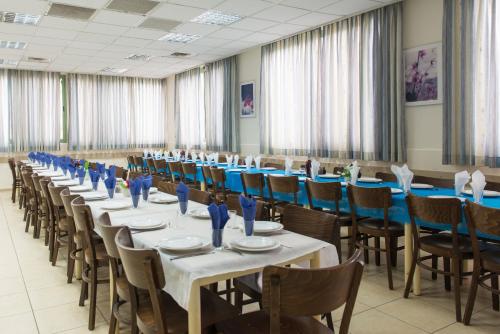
[12, 45]
[139, 57]
[11, 17]
[114, 70]
[216, 17]
[179, 38]
[8, 62]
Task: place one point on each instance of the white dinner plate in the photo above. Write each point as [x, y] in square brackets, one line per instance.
[447, 196]
[421, 186]
[298, 172]
[153, 190]
[39, 168]
[199, 213]
[302, 178]
[68, 183]
[263, 227]
[328, 176]
[486, 193]
[233, 170]
[256, 244]
[60, 178]
[147, 224]
[343, 184]
[94, 196]
[114, 205]
[163, 199]
[183, 243]
[50, 174]
[369, 180]
[396, 191]
[268, 168]
[80, 189]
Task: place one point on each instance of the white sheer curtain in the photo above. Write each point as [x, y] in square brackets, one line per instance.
[108, 112]
[336, 91]
[30, 110]
[190, 109]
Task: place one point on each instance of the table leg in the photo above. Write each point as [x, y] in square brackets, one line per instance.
[203, 187]
[315, 262]
[194, 310]
[408, 258]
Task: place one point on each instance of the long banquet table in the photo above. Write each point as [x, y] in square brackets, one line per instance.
[184, 277]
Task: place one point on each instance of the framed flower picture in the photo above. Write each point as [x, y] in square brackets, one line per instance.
[247, 108]
[423, 75]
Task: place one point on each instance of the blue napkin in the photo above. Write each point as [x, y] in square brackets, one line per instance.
[249, 207]
[111, 171]
[213, 210]
[101, 168]
[135, 186]
[80, 171]
[223, 215]
[94, 175]
[147, 182]
[82, 162]
[110, 182]
[72, 171]
[182, 192]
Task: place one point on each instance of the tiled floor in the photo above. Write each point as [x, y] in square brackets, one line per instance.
[35, 298]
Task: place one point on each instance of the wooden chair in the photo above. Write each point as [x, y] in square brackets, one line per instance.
[329, 192]
[175, 168]
[31, 207]
[200, 196]
[495, 186]
[292, 296]
[275, 165]
[168, 187]
[157, 179]
[49, 241]
[74, 253]
[486, 259]
[16, 180]
[158, 312]
[131, 163]
[286, 185]
[22, 190]
[121, 172]
[454, 247]
[189, 172]
[119, 287]
[386, 177]
[311, 223]
[436, 182]
[60, 227]
[207, 176]
[139, 164]
[161, 167]
[381, 199]
[150, 163]
[233, 203]
[95, 256]
[41, 206]
[254, 181]
[219, 190]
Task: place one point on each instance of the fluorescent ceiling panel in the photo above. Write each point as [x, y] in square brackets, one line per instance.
[216, 17]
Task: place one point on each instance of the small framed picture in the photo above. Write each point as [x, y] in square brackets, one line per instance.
[247, 107]
[423, 75]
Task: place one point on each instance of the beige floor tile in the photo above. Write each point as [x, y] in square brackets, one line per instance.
[14, 304]
[53, 296]
[358, 308]
[99, 329]
[376, 322]
[64, 317]
[374, 291]
[484, 322]
[19, 324]
[10, 286]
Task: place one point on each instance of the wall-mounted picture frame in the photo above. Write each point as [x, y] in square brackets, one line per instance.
[423, 75]
[247, 99]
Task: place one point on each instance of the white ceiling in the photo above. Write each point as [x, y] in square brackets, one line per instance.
[110, 36]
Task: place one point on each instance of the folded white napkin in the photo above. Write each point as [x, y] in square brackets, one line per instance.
[354, 171]
[406, 178]
[248, 161]
[194, 156]
[202, 157]
[216, 157]
[478, 183]
[461, 179]
[229, 160]
[178, 156]
[288, 166]
[314, 168]
[236, 160]
[257, 161]
[396, 170]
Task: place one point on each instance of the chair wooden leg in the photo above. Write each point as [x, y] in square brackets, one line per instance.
[447, 278]
[27, 218]
[329, 320]
[494, 297]
[388, 253]
[394, 251]
[93, 298]
[71, 261]
[434, 266]
[456, 286]
[472, 294]
[238, 300]
[228, 290]
[409, 279]
[35, 222]
[366, 254]
[13, 193]
[56, 252]
[377, 252]
[113, 322]
[84, 287]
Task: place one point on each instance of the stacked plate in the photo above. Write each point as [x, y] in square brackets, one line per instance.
[163, 199]
[486, 193]
[255, 244]
[153, 190]
[396, 191]
[268, 168]
[328, 176]
[94, 196]
[199, 213]
[369, 180]
[60, 178]
[79, 189]
[298, 172]
[265, 227]
[233, 170]
[144, 225]
[68, 183]
[183, 244]
[421, 186]
[50, 174]
[115, 205]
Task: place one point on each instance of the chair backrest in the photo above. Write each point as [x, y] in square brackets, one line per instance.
[275, 165]
[200, 196]
[483, 219]
[435, 210]
[189, 168]
[176, 169]
[108, 234]
[84, 224]
[307, 292]
[253, 181]
[44, 184]
[27, 179]
[160, 165]
[312, 223]
[120, 172]
[132, 175]
[233, 203]
[150, 163]
[207, 174]
[284, 185]
[495, 186]
[67, 198]
[93, 165]
[372, 198]
[55, 194]
[36, 182]
[386, 177]
[218, 180]
[338, 170]
[138, 162]
[130, 160]
[324, 191]
[12, 166]
[436, 182]
[167, 187]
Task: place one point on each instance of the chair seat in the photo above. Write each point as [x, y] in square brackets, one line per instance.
[101, 254]
[258, 322]
[376, 227]
[490, 258]
[213, 310]
[442, 244]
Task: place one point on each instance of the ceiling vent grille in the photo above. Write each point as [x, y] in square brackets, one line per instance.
[139, 57]
[71, 12]
[133, 6]
[159, 24]
[37, 60]
[180, 54]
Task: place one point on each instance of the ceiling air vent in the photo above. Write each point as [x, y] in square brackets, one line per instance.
[159, 24]
[114, 70]
[132, 6]
[37, 60]
[71, 12]
[139, 57]
[179, 54]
